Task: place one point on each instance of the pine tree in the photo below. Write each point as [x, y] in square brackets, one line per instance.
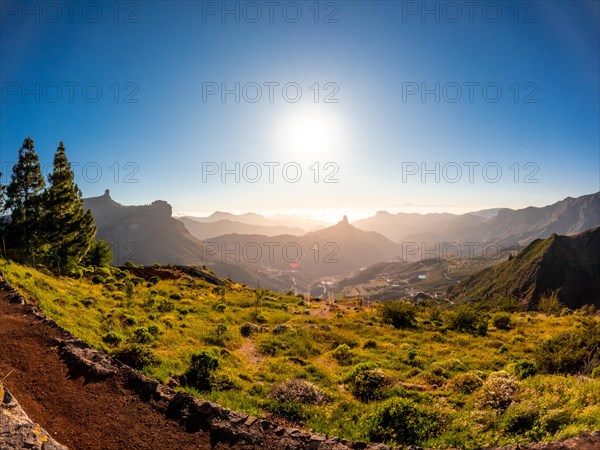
[24, 201]
[1, 197]
[69, 230]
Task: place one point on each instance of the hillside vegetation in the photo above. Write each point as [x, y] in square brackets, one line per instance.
[566, 265]
[395, 372]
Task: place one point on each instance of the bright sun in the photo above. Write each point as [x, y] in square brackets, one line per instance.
[310, 133]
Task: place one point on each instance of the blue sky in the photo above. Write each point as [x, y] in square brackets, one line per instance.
[512, 101]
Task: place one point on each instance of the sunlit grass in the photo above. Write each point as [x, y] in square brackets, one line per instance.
[299, 341]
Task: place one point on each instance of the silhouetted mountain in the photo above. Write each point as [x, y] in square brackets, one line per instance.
[148, 234]
[568, 216]
[206, 230]
[331, 251]
[143, 234]
[505, 228]
[569, 264]
[293, 222]
[410, 226]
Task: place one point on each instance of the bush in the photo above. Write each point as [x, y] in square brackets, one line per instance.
[343, 355]
[165, 306]
[175, 296]
[199, 374]
[154, 330]
[468, 320]
[399, 314]
[571, 352]
[300, 391]
[400, 421]
[142, 336]
[465, 383]
[497, 392]
[248, 329]
[502, 321]
[153, 280]
[520, 417]
[365, 382]
[221, 307]
[525, 369]
[98, 279]
[370, 344]
[137, 356]
[550, 304]
[280, 329]
[112, 338]
[223, 382]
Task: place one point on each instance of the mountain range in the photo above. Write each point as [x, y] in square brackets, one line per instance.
[294, 260]
[503, 226]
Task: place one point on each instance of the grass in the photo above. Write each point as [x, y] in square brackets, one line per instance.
[299, 340]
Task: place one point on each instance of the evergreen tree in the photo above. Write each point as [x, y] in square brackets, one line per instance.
[1, 197]
[2, 217]
[100, 255]
[69, 230]
[24, 201]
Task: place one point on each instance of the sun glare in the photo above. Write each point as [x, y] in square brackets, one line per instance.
[310, 133]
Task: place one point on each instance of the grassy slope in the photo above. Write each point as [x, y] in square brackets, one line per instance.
[255, 364]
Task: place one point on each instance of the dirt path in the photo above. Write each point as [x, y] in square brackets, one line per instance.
[78, 414]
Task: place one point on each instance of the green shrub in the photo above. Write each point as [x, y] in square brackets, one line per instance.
[465, 383]
[370, 344]
[165, 306]
[502, 321]
[249, 329]
[296, 390]
[153, 280]
[142, 336]
[137, 356]
[130, 321]
[223, 382]
[365, 382]
[154, 330]
[343, 355]
[280, 329]
[525, 369]
[520, 417]
[399, 314]
[175, 296]
[571, 352]
[556, 419]
[221, 307]
[400, 421]
[112, 338]
[467, 319]
[98, 279]
[199, 374]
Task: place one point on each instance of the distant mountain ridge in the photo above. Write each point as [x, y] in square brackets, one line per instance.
[149, 234]
[334, 250]
[206, 230]
[502, 226]
[568, 265]
[249, 218]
